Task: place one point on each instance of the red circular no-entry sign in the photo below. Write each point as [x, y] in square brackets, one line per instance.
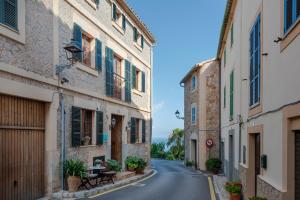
[209, 143]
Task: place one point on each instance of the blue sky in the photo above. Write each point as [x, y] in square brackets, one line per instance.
[187, 32]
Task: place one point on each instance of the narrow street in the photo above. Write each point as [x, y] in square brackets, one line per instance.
[172, 182]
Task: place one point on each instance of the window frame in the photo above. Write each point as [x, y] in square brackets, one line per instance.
[255, 68]
[90, 41]
[118, 22]
[193, 114]
[232, 35]
[231, 95]
[295, 19]
[193, 83]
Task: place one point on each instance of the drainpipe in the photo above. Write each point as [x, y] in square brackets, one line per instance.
[220, 107]
[62, 123]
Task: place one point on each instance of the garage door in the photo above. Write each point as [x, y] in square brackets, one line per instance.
[22, 124]
[297, 165]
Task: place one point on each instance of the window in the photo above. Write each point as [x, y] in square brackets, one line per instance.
[231, 95]
[138, 79]
[193, 114]
[118, 80]
[193, 82]
[291, 13]
[255, 63]
[9, 13]
[119, 19]
[224, 93]
[87, 127]
[135, 130]
[86, 48]
[231, 35]
[138, 38]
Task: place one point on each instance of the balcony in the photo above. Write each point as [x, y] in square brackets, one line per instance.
[118, 85]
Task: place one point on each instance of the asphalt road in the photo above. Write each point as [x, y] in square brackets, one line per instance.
[172, 182]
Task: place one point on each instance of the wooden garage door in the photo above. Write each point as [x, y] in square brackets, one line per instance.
[297, 165]
[22, 123]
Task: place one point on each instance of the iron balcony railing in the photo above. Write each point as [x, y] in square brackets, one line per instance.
[118, 86]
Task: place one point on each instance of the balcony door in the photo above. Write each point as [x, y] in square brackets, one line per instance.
[117, 77]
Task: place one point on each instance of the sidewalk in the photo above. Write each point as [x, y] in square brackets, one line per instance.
[98, 190]
[219, 182]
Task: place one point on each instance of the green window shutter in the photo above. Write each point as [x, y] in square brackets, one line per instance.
[143, 131]
[109, 64]
[128, 81]
[9, 13]
[224, 97]
[231, 95]
[133, 131]
[76, 126]
[123, 22]
[97, 2]
[99, 128]
[133, 77]
[143, 82]
[114, 12]
[98, 56]
[135, 34]
[142, 41]
[225, 57]
[77, 36]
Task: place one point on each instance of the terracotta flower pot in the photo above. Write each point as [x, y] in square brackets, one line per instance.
[139, 171]
[73, 183]
[235, 197]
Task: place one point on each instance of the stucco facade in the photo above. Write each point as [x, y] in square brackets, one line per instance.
[28, 61]
[274, 118]
[201, 91]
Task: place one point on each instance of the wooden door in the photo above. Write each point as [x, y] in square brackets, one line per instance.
[231, 158]
[257, 159]
[22, 124]
[297, 165]
[116, 139]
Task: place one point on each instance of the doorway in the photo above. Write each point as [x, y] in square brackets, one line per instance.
[297, 164]
[194, 151]
[116, 138]
[257, 159]
[231, 157]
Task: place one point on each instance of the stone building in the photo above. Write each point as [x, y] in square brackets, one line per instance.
[201, 112]
[259, 54]
[107, 94]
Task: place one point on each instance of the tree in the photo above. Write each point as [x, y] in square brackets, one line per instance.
[158, 150]
[175, 143]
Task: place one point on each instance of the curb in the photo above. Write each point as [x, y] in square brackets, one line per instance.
[102, 189]
[217, 189]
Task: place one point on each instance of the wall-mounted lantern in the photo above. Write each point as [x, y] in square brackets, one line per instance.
[128, 127]
[264, 161]
[177, 114]
[113, 123]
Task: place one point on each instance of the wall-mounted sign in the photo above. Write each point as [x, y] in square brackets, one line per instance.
[209, 143]
[105, 137]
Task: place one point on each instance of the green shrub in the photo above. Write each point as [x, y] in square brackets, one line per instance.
[257, 198]
[141, 164]
[213, 164]
[234, 188]
[75, 168]
[114, 165]
[132, 162]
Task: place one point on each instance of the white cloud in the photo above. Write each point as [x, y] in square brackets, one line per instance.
[158, 106]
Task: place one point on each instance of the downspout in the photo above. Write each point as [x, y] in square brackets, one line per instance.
[62, 123]
[151, 92]
[220, 107]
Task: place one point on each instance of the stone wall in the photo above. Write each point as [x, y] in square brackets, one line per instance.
[264, 189]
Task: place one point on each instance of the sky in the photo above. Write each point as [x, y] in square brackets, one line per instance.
[187, 32]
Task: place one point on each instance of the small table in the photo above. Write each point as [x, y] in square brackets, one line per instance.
[100, 168]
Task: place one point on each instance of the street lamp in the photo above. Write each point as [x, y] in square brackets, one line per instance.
[177, 114]
[71, 49]
[113, 123]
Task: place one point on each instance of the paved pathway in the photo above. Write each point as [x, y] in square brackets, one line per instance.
[172, 182]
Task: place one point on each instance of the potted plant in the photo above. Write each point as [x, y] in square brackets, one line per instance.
[235, 190]
[213, 165]
[74, 170]
[131, 163]
[258, 198]
[141, 166]
[113, 165]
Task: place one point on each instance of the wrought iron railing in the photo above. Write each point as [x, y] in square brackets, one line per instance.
[118, 86]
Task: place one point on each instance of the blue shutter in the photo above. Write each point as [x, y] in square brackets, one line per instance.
[9, 13]
[123, 22]
[133, 131]
[133, 82]
[98, 56]
[143, 131]
[143, 82]
[114, 12]
[135, 36]
[109, 71]
[231, 95]
[142, 41]
[76, 126]
[128, 81]
[99, 128]
[77, 36]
